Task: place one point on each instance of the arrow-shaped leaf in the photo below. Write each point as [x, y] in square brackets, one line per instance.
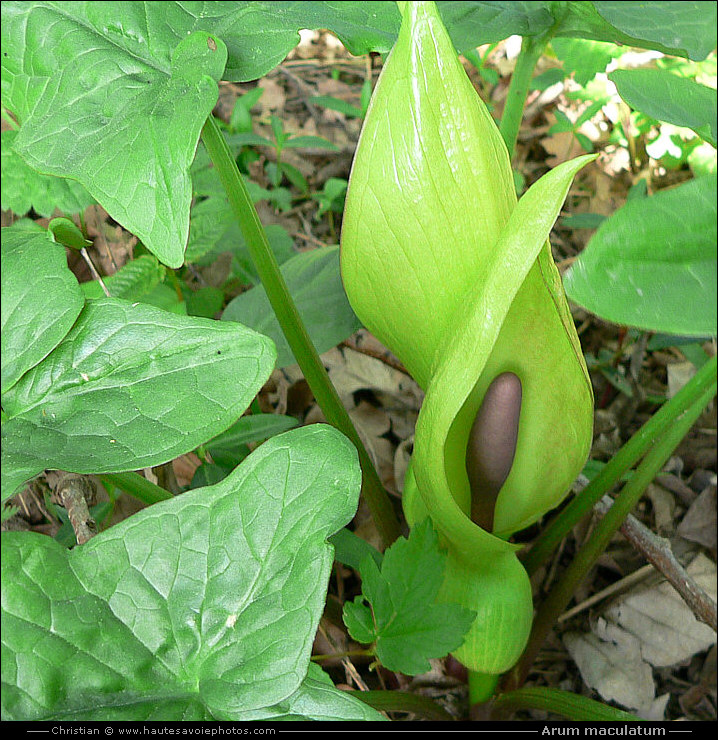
[130, 386]
[201, 607]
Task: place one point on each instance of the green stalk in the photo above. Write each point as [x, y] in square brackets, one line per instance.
[293, 326]
[403, 701]
[623, 461]
[531, 49]
[564, 703]
[482, 686]
[582, 563]
[137, 486]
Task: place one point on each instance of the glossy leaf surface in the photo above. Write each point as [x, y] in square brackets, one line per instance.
[202, 607]
[23, 188]
[404, 621]
[105, 100]
[35, 278]
[668, 97]
[652, 264]
[130, 386]
[114, 96]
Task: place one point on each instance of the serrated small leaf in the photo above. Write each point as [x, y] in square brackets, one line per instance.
[431, 632]
[359, 621]
[377, 592]
[132, 282]
[209, 221]
[419, 583]
[214, 230]
[201, 607]
[404, 621]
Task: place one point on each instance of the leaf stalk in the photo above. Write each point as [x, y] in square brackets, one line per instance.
[531, 50]
[293, 327]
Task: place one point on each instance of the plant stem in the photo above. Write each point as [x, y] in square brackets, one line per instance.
[482, 686]
[137, 486]
[293, 327]
[403, 701]
[531, 49]
[624, 460]
[561, 594]
[176, 284]
[572, 706]
[346, 654]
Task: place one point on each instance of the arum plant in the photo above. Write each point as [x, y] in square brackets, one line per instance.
[456, 277]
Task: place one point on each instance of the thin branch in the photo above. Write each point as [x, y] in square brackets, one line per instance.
[351, 671]
[74, 492]
[385, 357]
[560, 595]
[657, 550]
[630, 580]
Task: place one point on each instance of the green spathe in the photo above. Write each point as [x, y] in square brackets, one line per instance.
[442, 265]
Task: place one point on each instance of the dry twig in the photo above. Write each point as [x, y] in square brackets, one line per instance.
[75, 491]
[657, 550]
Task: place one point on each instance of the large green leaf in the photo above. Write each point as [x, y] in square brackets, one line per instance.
[23, 188]
[315, 283]
[667, 97]
[316, 699]
[130, 386]
[201, 607]
[115, 95]
[689, 28]
[653, 263]
[109, 96]
[40, 300]
[685, 29]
